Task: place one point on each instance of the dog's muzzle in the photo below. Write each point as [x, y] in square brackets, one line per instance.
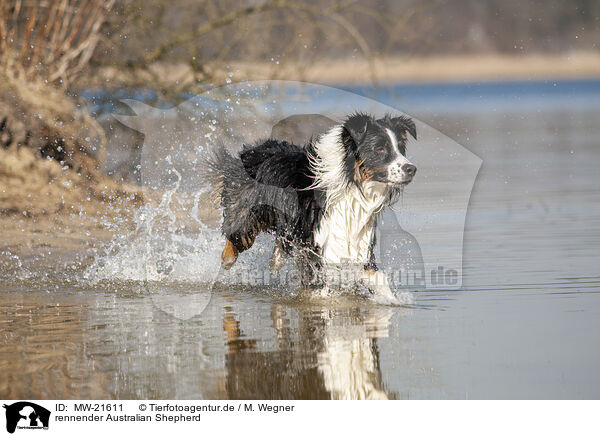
[401, 173]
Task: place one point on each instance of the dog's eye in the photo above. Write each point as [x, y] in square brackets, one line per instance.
[380, 149]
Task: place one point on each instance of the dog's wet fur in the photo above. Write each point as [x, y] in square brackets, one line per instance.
[321, 200]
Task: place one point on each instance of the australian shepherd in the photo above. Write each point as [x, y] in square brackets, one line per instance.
[321, 200]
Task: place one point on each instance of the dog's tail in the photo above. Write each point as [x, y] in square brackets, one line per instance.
[222, 171]
[249, 203]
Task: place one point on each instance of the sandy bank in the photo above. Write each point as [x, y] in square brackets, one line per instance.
[461, 68]
[451, 68]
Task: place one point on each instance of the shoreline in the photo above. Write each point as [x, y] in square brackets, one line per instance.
[465, 68]
[393, 70]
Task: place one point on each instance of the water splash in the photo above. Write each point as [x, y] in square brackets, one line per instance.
[11, 266]
[158, 249]
[158, 253]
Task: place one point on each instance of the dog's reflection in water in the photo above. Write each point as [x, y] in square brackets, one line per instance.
[320, 354]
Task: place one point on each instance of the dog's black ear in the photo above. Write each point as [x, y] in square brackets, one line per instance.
[357, 125]
[405, 124]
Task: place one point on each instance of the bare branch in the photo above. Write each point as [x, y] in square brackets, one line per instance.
[210, 26]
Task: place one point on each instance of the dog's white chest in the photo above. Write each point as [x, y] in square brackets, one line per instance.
[346, 230]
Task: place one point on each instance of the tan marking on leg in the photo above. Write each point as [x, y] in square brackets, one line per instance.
[370, 271]
[229, 255]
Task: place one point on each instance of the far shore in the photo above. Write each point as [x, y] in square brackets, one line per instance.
[463, 68]
[396, 70]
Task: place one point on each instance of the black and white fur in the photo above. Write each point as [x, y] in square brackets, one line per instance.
[321, 200]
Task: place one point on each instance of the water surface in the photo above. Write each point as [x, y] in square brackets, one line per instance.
[524, 325]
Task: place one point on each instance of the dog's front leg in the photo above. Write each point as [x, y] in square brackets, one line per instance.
[309, 265]
[278, 257]
[378, 283]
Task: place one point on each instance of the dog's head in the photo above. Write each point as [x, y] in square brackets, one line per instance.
[376, 149]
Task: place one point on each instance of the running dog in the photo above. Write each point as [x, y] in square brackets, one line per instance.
[321, 200]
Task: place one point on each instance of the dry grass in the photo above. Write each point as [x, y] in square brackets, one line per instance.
[51, 40]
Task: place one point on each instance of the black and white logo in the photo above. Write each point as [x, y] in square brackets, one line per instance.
[26, 415]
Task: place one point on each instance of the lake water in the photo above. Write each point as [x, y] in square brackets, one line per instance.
[524, 324]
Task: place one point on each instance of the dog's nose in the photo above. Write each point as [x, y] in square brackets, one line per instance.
[409, 169]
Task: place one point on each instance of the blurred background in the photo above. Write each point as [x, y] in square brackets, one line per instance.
[127, 42]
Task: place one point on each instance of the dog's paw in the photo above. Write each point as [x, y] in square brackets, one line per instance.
[227, 262]
[386, 297]
[229, 255]
[382, 294]
[378, 284]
